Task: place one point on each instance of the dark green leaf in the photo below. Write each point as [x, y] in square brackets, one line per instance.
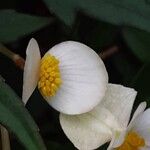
[147, 1]
[139, 42]
[14, 25]
[142, 83]
[15, 117]
[119, 12]
[64, 9]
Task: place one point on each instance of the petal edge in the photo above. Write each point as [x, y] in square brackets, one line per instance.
[31, 69]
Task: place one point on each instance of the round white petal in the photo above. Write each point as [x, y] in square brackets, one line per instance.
[90, 130]
[31, 70]
[119, 101]
[83, 75]
[141, 125]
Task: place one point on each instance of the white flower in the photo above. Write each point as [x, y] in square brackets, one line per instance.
[71, 76]
[137, 134]
[90, 130]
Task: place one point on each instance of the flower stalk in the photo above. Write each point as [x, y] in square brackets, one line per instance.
[4, 138]
[109, 52]
[17, 59]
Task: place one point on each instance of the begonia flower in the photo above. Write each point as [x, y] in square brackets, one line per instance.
[71, 77]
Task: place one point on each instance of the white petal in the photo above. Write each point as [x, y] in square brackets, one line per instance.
[138, 111]
[84, 78]
[117, 139]
[119, 101]
[145, 148]
[90, 130]
[141, 125]
[31, 70]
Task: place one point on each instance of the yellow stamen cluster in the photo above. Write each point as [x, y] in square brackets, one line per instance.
[50, 79]
[132, 142]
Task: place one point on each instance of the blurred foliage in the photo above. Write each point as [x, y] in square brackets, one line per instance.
[100, 24]
[139, 41]
[134, 13]
[14, 25]
[15, 117]
[141, 83]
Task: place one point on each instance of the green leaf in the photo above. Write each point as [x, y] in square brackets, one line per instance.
[147, 1]
[15, 117]
[14, 25]
[120, 12]
[139, 42]
[141, 83]
[63, 9]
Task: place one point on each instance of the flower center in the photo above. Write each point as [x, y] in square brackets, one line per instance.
[50, 79]
[132, 142]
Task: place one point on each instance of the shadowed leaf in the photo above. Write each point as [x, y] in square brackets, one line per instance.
[14, 25]
[15, 117]
[139, 42]
[119, 12]
[141, 84]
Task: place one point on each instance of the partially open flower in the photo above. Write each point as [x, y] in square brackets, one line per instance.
[137, 134]
[90, 130]
[71, 76]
